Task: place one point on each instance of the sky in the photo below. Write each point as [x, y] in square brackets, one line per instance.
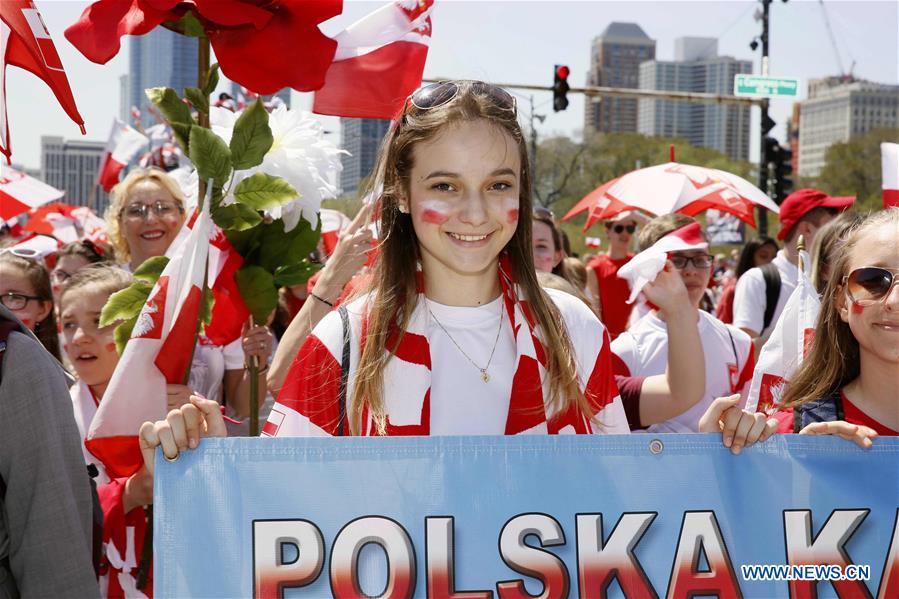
[517, 42]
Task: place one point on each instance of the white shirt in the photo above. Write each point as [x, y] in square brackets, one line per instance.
[207, 371]
[749, 297]
[644, 351]
[85, 407]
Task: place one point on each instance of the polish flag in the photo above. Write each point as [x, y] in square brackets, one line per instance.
[229, 312]
[889, 159]
[333, 223]
[159, 352]
[124, 144]
[26, 43]
[19, 193]
[789, 343]
[378, 63]
[592, 242]
[645, 266]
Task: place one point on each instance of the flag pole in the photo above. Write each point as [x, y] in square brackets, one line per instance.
[800, 247]
[253, 368]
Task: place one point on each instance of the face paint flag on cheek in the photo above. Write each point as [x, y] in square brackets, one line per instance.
[646, 265]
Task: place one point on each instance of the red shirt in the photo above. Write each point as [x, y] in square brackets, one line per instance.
[613, 292]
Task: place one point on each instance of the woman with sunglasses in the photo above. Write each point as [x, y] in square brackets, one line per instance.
[608, 291]
[455, 335]
[847, 386]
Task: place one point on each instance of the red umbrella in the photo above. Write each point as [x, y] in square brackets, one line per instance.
[674, 187]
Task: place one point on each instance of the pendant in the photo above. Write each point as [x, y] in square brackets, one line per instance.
[484, 376]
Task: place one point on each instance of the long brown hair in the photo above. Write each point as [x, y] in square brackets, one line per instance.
[833, 360]
[394, 280]
[39, 278]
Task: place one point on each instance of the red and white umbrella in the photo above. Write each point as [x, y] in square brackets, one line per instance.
[674, 187]
[19, 193]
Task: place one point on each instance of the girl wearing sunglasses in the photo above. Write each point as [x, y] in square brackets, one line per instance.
[849, 383]
[455, 335]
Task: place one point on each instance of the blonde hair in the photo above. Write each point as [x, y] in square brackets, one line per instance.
[394, 281]
[106, 278]
[833, 360]
[120, 194]
[826, 240]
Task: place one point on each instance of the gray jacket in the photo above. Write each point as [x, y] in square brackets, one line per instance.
[45, 512]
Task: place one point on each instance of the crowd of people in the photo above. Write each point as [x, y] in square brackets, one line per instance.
[474, 318]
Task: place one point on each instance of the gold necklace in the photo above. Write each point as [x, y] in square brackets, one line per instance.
[485, 376]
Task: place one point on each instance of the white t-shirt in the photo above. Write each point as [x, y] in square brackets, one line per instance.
[461, 403]
[207, 371]
[749, 297]
[642, 350]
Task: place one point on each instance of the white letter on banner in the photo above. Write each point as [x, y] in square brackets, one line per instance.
[889, 580]
[271, 574]
[826, 548]
[598, 565]
[700, 533]
[440, 553]
[389, 536]
[531, 561]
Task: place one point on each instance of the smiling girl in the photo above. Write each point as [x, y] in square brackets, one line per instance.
[455, 336]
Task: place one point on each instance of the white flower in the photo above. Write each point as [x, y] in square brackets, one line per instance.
[299, 154]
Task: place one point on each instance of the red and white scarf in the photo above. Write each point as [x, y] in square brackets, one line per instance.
[308, 402]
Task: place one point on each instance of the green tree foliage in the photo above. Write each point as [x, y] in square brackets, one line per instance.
[853, 168]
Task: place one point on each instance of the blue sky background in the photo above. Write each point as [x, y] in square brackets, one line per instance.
[516, 41]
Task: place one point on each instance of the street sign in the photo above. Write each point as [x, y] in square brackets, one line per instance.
[769, 87]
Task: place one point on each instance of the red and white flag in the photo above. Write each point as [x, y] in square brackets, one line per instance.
[378, 63]
[333, 223]
[19, 193]
[229, 312]
[159, 352]
[592, 242]
[26, 43]
[889, 159]
[785, 349]
[124, 144]
[645, 266]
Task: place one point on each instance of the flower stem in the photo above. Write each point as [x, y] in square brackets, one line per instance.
[202, 74]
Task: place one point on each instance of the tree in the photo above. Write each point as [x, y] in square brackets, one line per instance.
[853, 168]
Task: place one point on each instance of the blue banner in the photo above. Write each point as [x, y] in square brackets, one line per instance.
[635, 516]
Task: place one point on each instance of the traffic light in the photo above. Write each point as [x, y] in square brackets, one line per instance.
[560, 87]
[779, 161]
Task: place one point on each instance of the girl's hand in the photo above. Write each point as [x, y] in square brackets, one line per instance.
[860, 435]
[738, 428]
[182, 428]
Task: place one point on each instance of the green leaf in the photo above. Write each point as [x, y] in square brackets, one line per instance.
[257, 288]
[246, 241]
[122, 334]
[212, 80]
[277, 248]
[210, 155]
[174, 110]
[188, 25]
[296, 274]
[150, 269]
[197, 98]
[251, 138]
[262, 191]
[236, 217]
[206, 308]
[125, 304]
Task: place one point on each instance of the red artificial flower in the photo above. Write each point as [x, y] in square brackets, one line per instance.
[264, 45]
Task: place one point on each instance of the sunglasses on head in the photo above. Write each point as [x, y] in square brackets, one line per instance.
[621, 228]
[438, 94]
[870, 284]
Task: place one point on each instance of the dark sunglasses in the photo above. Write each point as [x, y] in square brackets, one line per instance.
[870, 284]
[438, 94]
[621, 228]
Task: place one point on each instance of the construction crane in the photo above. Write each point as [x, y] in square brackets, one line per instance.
[836, 49]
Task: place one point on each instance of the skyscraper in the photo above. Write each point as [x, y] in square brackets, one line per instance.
[72, 166]
[837, 110]
[614, 61]
[161, 58]
[361, 138]
[696, 68]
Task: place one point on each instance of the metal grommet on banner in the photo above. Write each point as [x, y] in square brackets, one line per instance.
[656, 446]
[174, 459]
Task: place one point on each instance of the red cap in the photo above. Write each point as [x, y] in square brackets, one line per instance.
[799, 203]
